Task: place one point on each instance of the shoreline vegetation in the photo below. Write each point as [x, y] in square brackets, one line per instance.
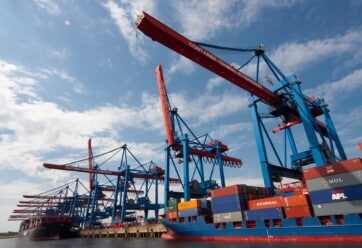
[9, 235]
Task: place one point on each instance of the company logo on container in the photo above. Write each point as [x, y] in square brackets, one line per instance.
[265, 203]
[332, 181]
[329, 169]
[338, 195]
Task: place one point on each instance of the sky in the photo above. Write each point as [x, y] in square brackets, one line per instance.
[73, 70]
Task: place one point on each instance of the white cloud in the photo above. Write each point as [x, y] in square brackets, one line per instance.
[181, 64]
[32, 128]
[203, 19]
[214, 82]
[124, 16]
[231, 129]
[59, 53]
[349, 84]
[297, 56]
[50, 6]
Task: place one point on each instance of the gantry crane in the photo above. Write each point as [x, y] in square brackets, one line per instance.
[130, 189]
[282, 100]
[66, 200]
[188, 148]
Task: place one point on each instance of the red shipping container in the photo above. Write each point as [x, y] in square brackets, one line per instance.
[270, 202]
[333, 169]
[296, 200]
[229, 190]
[297, 211]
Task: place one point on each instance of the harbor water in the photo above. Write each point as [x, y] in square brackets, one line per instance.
[152, 243]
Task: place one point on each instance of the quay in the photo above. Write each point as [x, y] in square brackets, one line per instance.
[136, 231]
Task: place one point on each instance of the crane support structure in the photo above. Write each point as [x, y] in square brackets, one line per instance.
[283, 99]
[195, 149]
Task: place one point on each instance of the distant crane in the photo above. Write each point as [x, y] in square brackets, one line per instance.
[283, 99]
[130, 189]
[65, 200]
[191, 148]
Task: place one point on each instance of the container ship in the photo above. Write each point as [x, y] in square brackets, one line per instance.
[327, 208]
[325, 202]
[54, 214]
[49, 227]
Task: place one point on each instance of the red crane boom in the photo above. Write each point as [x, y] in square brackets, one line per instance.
[168, 37]
[165, 106]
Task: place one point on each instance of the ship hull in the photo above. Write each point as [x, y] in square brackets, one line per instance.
[51, 230]
[287, 232]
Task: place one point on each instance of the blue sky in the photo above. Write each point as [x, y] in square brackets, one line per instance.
[72, 70]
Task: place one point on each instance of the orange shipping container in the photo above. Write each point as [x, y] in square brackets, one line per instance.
[270, 202]
[172, 215]
[296, 200]
[189, 204]
[297, 211]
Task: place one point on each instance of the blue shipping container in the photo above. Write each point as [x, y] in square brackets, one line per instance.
[193, 212]
[264, 214]
[349, 193]
[229, 199]
[228, 207]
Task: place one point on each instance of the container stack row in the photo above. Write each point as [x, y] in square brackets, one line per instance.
[229, 204]
[335, 189]
[193, 208]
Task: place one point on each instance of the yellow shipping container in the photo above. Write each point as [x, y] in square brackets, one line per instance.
[189, 204]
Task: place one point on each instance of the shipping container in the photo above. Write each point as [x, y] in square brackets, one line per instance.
[270, 202]
[230, 199]
[264, 214]
[228, 217]
[171, 215]
[196, 203]
[338, 208]
[297, 211]
[224, 207]
[172, 204]
[333, 169]
[335, 181]
[349, 193]
[229, 190]
[190, 212]
[296, 200]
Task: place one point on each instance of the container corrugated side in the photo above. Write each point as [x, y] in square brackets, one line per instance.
[296, 200]
[196, 203]
[229, 190]
[228, 217]
[172, 215]
[229, 203]
[297, 211]
[264, 214]
[338, 208]
[172, 204]
[230, 199]
[349, 193]
[332, 169]
[190, 212]
[269, 202]
[335, 181]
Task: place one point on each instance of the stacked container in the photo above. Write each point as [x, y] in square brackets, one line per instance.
[193, 208]
[228, 203]
[336, 189]
[265, 208]
[171, 212]
[297, 206]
